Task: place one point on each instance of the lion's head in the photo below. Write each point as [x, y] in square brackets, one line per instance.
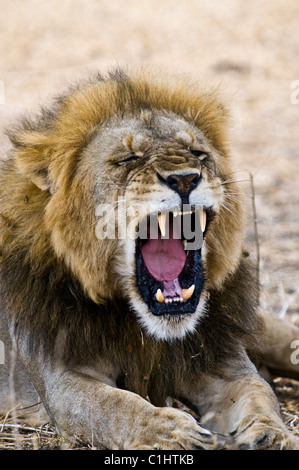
[139, 194]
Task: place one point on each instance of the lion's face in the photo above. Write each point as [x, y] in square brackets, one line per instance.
[166, 191]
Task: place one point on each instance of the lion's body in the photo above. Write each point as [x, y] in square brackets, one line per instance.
[78, 303]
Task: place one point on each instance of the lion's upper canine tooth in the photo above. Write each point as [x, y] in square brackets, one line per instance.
[160, 296]
[162, 223]
[187, 293]
[203, 219]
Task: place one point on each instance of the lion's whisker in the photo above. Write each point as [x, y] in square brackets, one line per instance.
[230, 181]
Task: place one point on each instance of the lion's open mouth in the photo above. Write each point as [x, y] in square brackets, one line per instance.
[168, 262]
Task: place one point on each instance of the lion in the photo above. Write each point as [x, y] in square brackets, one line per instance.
[124, 277]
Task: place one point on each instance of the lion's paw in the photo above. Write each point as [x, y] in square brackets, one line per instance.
[260, 432]
[171, 429]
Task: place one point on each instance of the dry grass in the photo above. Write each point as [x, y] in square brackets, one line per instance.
[19, 436]
[14, 434]
[250, 48]
[287, 392]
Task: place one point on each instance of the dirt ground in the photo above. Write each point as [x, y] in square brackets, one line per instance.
[249, 49]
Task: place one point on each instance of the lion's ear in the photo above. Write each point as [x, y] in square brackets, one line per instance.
[41, 180]
[34, 166]
[33, 158]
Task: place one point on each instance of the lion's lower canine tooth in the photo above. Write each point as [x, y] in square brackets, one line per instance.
[187, 293]
[160, 296]
[162, 223]
[203, 219]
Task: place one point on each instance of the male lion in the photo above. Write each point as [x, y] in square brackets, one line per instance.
[109, 317]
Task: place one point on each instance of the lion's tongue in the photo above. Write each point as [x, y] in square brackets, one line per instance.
[165, 259]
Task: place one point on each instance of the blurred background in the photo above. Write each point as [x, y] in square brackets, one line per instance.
[249, 49]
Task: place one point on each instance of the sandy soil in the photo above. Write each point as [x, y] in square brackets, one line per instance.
[249, 48]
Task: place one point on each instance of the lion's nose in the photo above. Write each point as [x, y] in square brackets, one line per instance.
[182, 184]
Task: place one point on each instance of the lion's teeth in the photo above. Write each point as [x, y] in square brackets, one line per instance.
[187, 293]
[162, 219]
[162, 223]
[169, 300]
[176, 213]
[160, 296]
[203, 219]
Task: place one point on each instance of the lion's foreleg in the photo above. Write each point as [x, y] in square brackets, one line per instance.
[105, 416]
[86, 404]
[246, 409]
